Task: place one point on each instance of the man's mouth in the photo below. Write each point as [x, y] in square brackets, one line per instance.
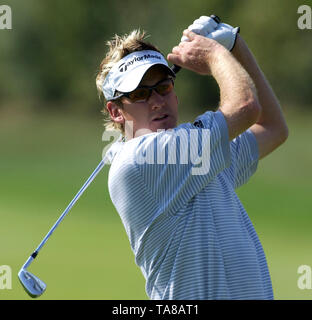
[161, 117]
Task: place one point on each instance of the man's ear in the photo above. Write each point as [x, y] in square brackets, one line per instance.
[114, 112]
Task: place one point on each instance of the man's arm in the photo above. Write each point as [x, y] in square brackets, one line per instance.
[270, 129]
[238, 98]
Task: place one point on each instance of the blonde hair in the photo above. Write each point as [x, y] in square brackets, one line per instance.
[118, 48]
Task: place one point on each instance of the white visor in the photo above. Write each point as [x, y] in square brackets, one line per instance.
[127, 73]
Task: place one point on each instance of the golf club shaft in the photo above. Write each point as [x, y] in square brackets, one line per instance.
[80, 192]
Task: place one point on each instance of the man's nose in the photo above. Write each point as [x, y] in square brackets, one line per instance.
[156, 101]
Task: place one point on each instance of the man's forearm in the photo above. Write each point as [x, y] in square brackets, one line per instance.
[238, 97]
[271, 128]
[271, 112]
[205, 56]
[236, 86]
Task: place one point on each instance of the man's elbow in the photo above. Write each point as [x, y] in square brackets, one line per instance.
[279, 133]
[283, 133]
[252, 110]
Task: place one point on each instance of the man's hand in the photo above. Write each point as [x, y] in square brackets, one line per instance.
[202, 26]
[198, 54]
[238, 97]
[221, 32]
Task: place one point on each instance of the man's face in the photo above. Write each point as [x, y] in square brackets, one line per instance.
[158, 112]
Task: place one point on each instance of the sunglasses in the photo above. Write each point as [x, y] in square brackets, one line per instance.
[143, 93]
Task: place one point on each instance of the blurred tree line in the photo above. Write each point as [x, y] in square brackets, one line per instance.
[51, 56]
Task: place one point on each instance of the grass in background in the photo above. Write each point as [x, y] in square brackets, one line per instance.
[46, 158]
[44, 161]
[278, 201]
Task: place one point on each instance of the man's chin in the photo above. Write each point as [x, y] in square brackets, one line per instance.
[155, 127]
[166, 125]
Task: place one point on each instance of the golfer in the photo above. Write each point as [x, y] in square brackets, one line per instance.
[174, 185]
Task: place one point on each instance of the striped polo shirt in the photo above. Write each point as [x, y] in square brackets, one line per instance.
[189, 232]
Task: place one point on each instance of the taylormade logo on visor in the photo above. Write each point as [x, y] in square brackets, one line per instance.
[126, 75]
[124, 66]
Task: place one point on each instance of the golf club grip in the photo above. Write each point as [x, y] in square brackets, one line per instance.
[175, 68]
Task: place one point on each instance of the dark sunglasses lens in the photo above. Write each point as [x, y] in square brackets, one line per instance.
[164, 88]
[140, 94]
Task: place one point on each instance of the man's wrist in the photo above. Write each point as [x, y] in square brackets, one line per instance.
[237, 49]
[217, 59]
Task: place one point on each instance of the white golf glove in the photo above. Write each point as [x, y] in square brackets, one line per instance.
[221, 32]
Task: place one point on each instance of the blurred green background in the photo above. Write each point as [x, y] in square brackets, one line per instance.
[51, 139]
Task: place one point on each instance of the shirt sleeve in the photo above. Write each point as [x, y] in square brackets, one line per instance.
[244, 159]
[177, 164]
